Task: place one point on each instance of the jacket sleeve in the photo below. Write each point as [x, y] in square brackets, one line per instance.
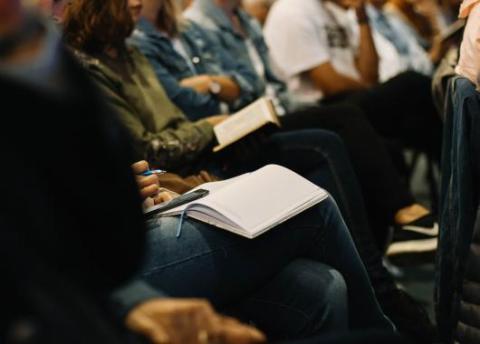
[251, 86]
[194, 104]
[183, 142]
[134, 293]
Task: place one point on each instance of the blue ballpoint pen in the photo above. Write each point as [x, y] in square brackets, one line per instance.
[152, 172]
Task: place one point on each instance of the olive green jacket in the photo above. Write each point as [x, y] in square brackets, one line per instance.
[161, 133]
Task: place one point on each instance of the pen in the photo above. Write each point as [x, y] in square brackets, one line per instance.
[151, 172]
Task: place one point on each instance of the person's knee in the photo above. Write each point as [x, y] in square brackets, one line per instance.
[326, 291]
[335, 296]
[325, 141]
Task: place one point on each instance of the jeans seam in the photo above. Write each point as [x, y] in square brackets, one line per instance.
[181, 261]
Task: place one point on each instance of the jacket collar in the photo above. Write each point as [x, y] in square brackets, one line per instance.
[145, 27]
[215, 13]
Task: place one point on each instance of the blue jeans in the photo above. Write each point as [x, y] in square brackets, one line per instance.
[320, 156]
[292, 282]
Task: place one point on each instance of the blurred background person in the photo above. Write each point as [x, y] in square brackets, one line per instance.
[258, 9]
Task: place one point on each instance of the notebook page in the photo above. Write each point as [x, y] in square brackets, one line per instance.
[269, 193]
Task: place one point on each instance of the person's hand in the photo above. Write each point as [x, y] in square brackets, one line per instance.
[200, 83]
[193, 321]
[215, 120]
[149, 186]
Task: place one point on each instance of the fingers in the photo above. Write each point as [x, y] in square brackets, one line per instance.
[149, 191]
[143, 324]
[140, 167]
[230, 330]
[163, 196]
[147, 181]
[189, 321]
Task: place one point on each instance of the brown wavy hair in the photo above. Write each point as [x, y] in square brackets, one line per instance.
[169, 18]
[93, 26]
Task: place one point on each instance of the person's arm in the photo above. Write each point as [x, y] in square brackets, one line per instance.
[228, 89]
[327, 79]
[219, 61]
[367, 60]
[171, 147]
[150, 190]
[195, 104]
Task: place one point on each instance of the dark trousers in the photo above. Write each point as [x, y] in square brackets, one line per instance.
[401, 109]
[383, 189]
[278, 281]
[321, 157]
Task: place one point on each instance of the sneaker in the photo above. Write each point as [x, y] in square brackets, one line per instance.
[426, 225]
[408, 315]
[419, 236]
[405, 242]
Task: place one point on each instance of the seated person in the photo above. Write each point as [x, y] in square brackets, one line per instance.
[397, 48]
[131, 109]
[424, 17]
[469, 61]
[159, 33]
[96, 152]
[258, 9]
[242, 266]
[56, 295]
[333, 68]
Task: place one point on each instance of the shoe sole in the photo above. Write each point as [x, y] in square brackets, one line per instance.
[433, 231]
[413, 246]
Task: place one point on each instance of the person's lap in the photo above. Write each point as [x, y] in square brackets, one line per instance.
[306, 298]
[211, 263]
[401, 108]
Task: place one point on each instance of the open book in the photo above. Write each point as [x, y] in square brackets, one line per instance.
[244, 122]
[253, 203]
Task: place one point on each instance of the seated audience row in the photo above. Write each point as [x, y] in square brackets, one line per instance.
[186, 57]
[210, 65]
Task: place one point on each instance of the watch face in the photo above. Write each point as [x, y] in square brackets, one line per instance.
[215, 87]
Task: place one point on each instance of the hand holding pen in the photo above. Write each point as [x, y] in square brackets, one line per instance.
[148, 183]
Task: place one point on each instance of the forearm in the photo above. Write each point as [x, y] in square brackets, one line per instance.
[199, 83]
[229, 89]
[331, 83]
[173, 148]
[127, 297]
[367, 59]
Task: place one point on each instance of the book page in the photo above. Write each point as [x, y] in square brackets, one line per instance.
[244, 122]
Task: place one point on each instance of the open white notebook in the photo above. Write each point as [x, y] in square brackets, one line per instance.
[253, 203]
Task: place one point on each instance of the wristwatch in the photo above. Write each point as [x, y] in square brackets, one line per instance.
[215, 88]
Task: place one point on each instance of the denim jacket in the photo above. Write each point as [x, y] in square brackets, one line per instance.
[208, 15]
[459, 205]
[170, 68]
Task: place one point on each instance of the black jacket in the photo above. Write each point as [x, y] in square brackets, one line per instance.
[71, 227]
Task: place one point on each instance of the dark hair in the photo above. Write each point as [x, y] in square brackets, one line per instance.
[167, 19]
[95, 25]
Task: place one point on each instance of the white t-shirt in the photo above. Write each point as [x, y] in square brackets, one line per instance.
[392, 62]
[305, 34]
